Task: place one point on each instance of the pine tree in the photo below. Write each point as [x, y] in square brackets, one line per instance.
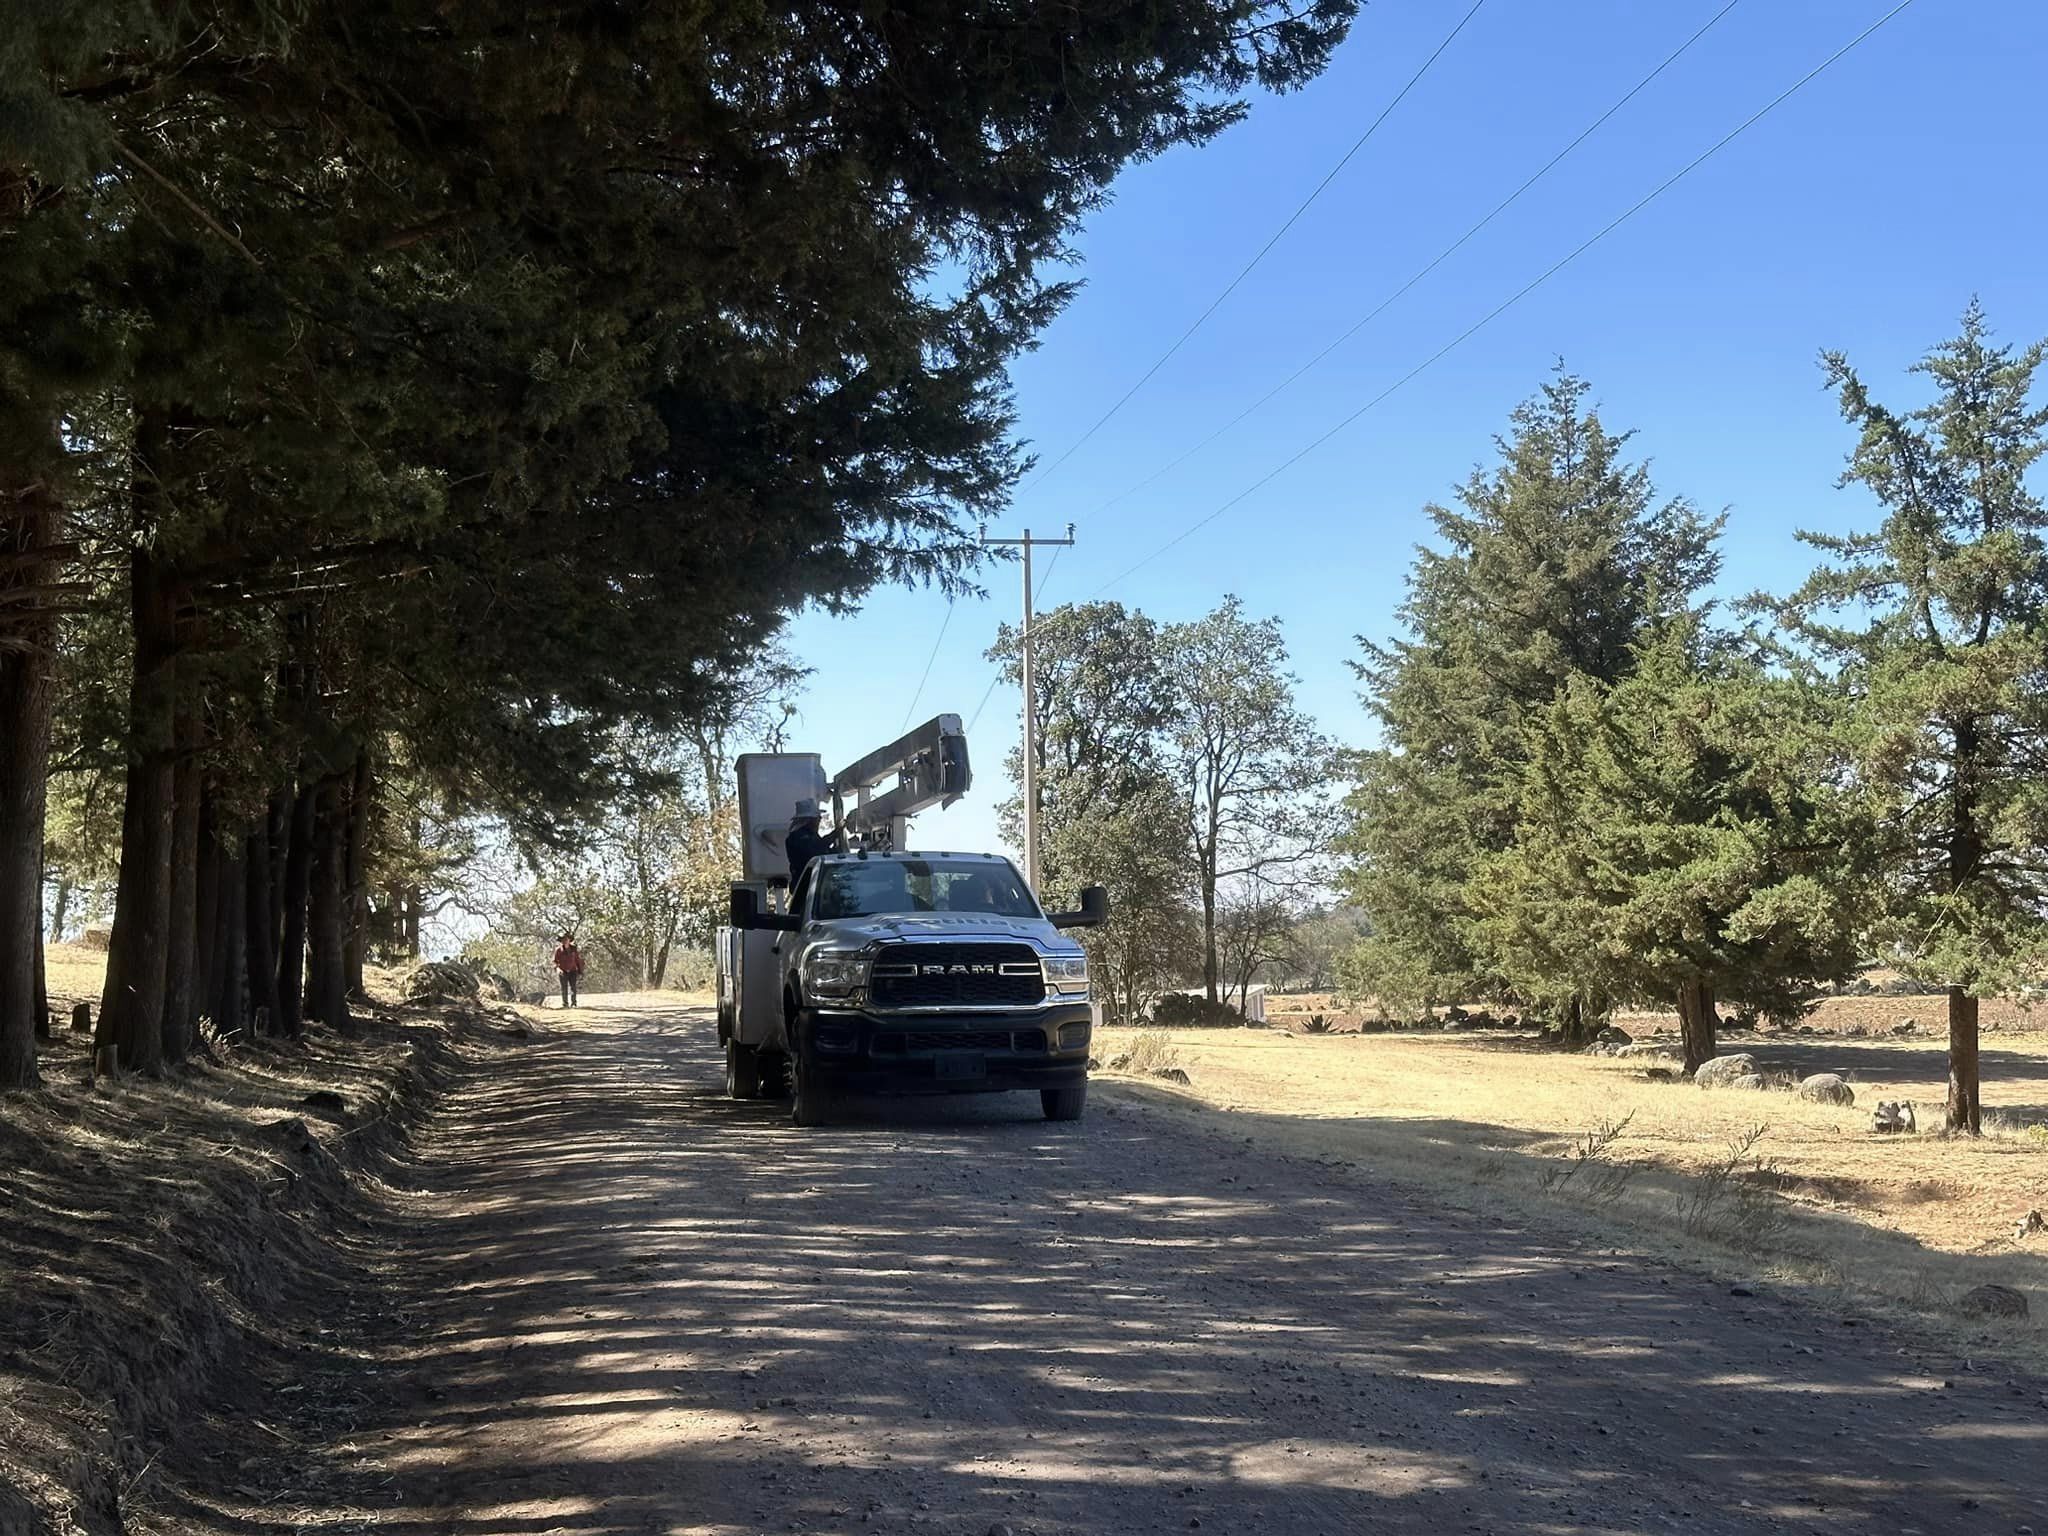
[1557, 561]
[1681, 839]
[1933, 625]
[537, 368]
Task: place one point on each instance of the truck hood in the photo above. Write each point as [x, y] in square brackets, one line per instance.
[946, 925]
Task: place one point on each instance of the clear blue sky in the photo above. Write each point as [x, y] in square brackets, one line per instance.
[1862, 214]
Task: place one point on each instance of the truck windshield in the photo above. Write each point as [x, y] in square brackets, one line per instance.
[885, 887]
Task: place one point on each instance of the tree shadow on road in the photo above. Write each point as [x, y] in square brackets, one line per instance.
[628, 1304]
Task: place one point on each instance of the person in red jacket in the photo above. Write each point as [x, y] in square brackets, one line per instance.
[569, 962]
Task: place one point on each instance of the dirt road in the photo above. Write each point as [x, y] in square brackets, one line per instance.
[634, 1306]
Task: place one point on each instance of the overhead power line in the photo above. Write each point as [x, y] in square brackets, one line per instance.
[1436, 261]
[987, 694]
[1273, 240]
[925, 675]
[1515, 298]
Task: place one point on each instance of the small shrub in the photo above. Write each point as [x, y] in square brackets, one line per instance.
[1316, 1024]
[1151, 1053]
[1605, 1182]
[1184, 1010]
[1732, 1201]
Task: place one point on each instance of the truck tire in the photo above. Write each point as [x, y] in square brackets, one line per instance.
[809, 1103]
[1064, 1103]
[742, 1071]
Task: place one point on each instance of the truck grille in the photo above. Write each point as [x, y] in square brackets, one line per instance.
[956, 976]
[909, 1041]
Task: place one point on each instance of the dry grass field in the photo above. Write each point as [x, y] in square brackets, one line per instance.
[1819, 1199]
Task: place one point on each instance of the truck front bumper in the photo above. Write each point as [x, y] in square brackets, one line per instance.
[980, 1051]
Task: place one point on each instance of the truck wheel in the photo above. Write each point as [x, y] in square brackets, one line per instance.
[742, 1071]
[809, 1104]
[1064, 1103]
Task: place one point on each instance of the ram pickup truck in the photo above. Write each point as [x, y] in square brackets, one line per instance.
[912, 973]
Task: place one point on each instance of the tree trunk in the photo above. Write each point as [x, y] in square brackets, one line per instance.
[1965, 860]
[357, 940]
[1211, 966]
[387, 923]
[230, 944]
[46, 1028]
[27, 526]
[327, 913]
[1697, 1022]
[290, 1018]
[414, 901]
[259, 939]
[24, 750]
[60, 909]
[132, 1007]
[206, 933]
[1577, 1027]
[279, 827]
[1965, 1112]
[181, 957]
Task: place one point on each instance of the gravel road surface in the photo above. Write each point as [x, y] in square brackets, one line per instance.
[630, 1305]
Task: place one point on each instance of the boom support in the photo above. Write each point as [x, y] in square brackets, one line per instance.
[930, 768]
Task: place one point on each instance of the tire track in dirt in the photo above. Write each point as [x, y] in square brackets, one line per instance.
[631, 1305]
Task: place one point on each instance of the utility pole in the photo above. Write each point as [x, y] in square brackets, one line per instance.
[1027, 544]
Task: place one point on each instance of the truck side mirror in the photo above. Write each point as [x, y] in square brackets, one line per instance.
[1093, 914]
[746, 913]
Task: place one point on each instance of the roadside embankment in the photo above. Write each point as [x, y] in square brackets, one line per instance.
[155, 1234]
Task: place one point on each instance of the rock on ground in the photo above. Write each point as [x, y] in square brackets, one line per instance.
[1723, 1070]
[1754, 1082]
[440, 981]
[1994, 1301]
[1826, 1088]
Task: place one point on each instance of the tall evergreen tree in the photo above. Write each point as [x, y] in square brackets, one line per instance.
[1556, 563]
[542, 364]
[1935, 627]
[1682, 839]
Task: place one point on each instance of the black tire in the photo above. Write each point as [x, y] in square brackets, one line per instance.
[1064, 1103]
[809, 1103]
[774, 1074]
[742, 1071]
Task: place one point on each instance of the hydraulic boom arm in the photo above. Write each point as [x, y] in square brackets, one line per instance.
[929, 766]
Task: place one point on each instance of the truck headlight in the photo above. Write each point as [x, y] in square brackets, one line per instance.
[1067, 973]
[834, 972]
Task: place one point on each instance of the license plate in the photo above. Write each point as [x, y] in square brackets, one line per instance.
[956, 1064]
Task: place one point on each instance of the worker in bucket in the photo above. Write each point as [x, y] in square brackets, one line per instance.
[805, 842]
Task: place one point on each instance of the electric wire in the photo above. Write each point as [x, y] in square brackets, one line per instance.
[1037, 597]
[1246, 271]
[988, 694]
[1505, 305]
[925, 676]
[1438, 260]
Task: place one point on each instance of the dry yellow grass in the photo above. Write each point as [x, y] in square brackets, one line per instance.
[1913, 1219]
[76, 974]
